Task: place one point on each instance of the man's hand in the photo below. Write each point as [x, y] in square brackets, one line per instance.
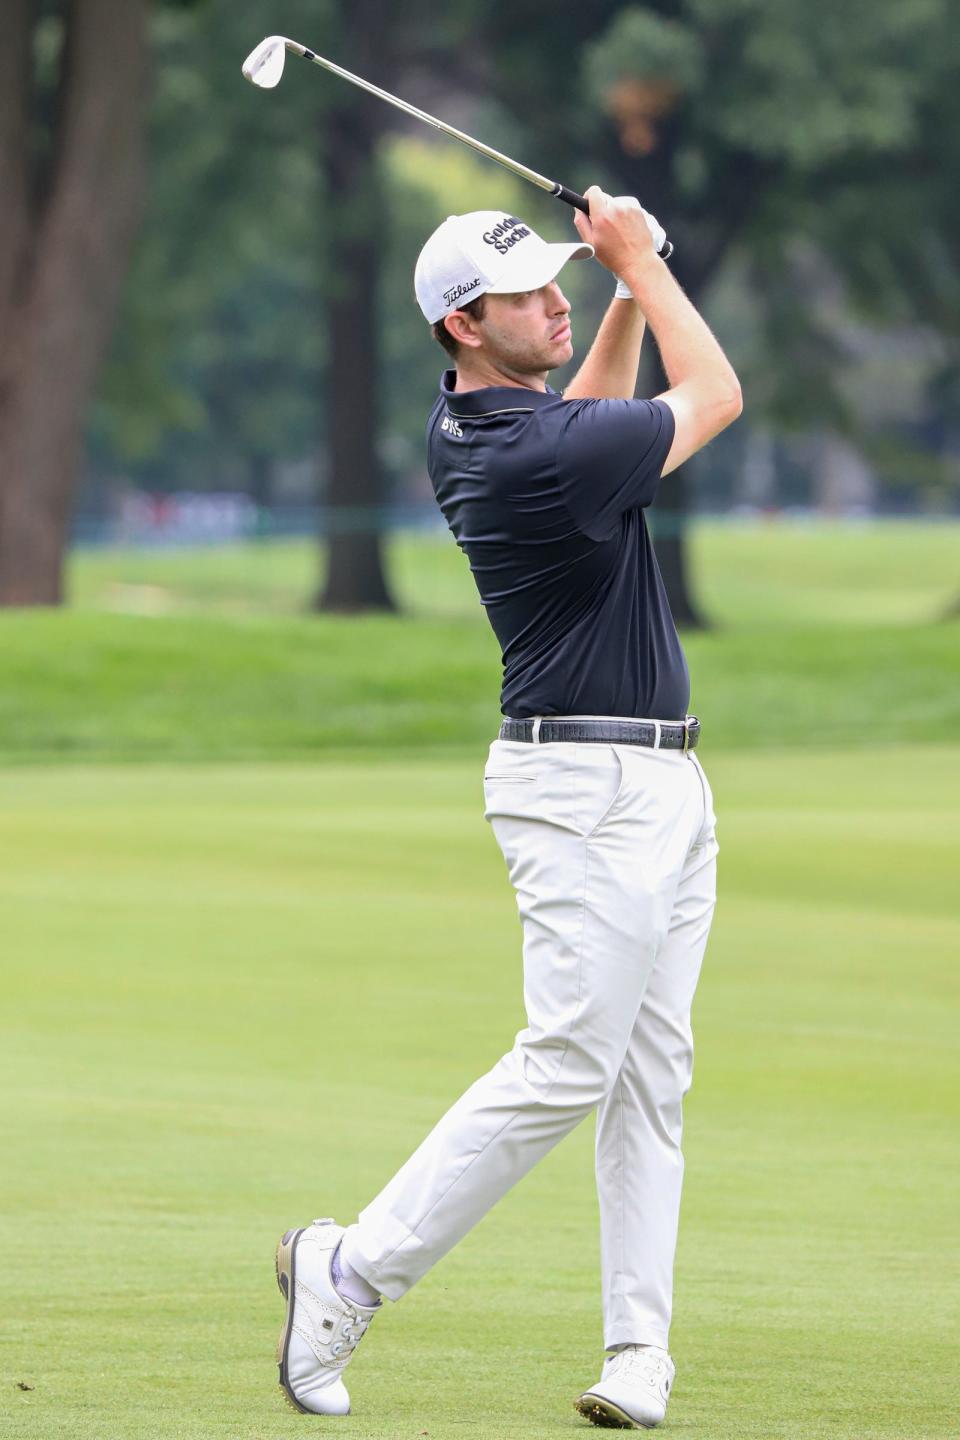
[620, 230]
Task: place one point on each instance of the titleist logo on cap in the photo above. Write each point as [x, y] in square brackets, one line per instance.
[456, 292]
[507, 233]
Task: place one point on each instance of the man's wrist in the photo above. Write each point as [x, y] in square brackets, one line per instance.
[640, 272]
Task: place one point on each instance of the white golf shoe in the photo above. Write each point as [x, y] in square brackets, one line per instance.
[321, 1329]
[633, 1390]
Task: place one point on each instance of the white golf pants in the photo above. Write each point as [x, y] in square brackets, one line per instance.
[611, 850]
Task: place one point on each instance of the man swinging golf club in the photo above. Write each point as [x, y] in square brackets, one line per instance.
[596, 798]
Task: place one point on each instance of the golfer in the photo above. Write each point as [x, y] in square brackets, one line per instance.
[593, 788]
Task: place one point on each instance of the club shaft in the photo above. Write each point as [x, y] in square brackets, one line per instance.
[554, 187]
[523, 171]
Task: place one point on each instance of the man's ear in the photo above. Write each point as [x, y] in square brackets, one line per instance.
[464, 329]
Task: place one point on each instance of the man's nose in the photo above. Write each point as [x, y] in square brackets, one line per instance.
[558, 302]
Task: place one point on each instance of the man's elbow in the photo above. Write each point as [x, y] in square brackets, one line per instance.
[700, 413]
[731, 401]
[722, 402]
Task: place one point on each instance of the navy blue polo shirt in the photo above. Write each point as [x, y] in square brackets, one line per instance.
[546, 496]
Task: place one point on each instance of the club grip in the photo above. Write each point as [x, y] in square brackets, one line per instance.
[570, 197]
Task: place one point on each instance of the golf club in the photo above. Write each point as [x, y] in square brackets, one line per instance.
[264, 67]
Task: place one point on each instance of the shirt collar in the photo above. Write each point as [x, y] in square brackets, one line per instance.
[491, 399]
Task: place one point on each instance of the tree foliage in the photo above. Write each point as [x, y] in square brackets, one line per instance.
[800, 153]
[219, 356]
[773, 130]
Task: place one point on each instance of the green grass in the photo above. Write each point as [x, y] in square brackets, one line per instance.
[236, 996]
[826, 573]
[91, 686]
[747, 573]
[826, 635]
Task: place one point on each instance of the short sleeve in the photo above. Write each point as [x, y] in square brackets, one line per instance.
[610, 455]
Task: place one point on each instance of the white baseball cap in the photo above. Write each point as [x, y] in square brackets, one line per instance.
[485, 253]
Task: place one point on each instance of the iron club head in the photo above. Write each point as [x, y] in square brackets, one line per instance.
[264, 65]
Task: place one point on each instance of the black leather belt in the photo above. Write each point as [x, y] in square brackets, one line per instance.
[656, 734]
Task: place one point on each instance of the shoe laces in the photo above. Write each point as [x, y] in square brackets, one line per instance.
[351, 1333]
[639, 1363]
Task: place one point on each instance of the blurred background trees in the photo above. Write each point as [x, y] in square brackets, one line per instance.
[72, 110]
[801, 155]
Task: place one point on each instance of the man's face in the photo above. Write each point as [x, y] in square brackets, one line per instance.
[528, 333]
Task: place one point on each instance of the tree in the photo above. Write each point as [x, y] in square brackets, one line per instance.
[219, 357]
[263, 330]
[70, 205]
[352, 128]
[383, 42]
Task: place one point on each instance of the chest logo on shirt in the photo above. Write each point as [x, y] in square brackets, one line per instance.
[507, 233]
[451, 427]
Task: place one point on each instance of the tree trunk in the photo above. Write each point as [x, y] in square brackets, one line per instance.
[355, 574]
[260, 487]
[63, 254]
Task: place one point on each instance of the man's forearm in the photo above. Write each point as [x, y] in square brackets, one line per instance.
[688, 348]
[609, 371]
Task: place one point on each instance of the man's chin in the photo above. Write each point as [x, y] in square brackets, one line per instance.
[560, 353]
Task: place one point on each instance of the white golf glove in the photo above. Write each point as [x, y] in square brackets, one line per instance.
[657, 233]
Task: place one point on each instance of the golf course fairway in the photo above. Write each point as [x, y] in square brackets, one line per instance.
[236, 996]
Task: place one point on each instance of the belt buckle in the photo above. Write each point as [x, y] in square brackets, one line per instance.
[686, 733]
